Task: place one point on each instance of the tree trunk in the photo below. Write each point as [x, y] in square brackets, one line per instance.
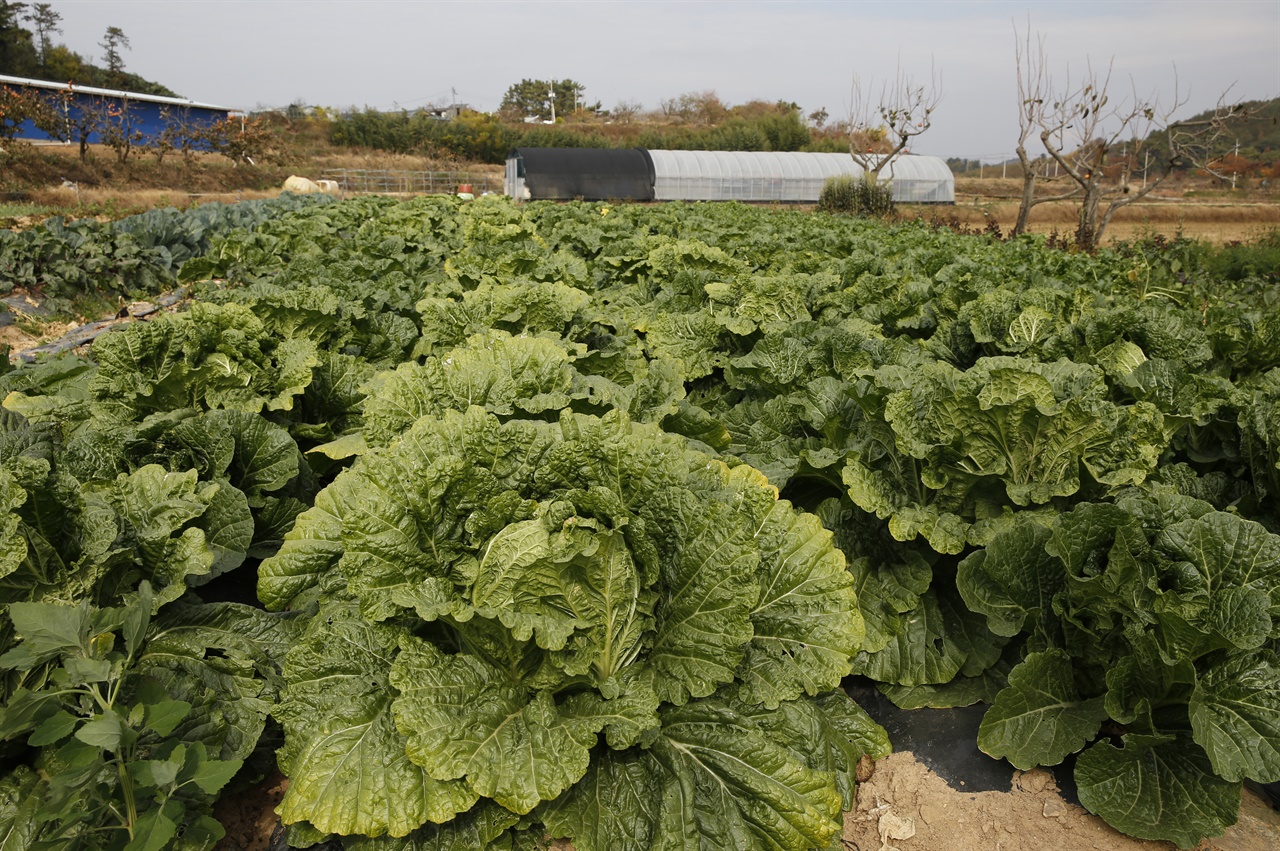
[1087, 229]
[1028, 193]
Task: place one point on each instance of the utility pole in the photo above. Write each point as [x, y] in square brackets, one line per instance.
[551, 93]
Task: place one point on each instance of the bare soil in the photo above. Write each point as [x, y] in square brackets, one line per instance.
[19, 339]
[249, 816]
[906, 806]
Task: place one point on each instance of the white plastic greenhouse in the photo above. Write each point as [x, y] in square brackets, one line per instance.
[644, 175]
[791, 176]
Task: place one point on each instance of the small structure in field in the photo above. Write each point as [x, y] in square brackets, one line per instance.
[639, 174]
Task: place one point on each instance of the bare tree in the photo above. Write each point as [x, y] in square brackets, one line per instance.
[1033, 87]
[119, 128]
[91, 116]
[696, 108]
[881, 128]
[1202, 141]
[1082, 128]
[625, 111]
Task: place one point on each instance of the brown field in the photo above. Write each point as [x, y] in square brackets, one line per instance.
[1194, 210]
[42, 176]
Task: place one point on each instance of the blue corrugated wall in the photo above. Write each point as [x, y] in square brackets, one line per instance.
[145, 117]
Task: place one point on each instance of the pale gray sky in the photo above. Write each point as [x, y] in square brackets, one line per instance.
[388, 54]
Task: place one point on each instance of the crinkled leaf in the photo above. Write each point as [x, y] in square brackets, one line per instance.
[13, 548]
[345, 759]
[309, 551]
[465, 719]
[806, 621]
[1013, 580]
[1235, 717]
[1226, 550]
[20, 799]
[483, 826]
[938, 640]
[1157, 787]
[614, 807]
[228, 530]
[1041, 717]
[497, 372]
[703, 613]
[830, 733]
[728, 786]
[600, 587]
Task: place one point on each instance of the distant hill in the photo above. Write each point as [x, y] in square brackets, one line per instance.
[1257, 132]
[21, 57]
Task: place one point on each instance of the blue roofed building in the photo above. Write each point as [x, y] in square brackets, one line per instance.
[87, 115]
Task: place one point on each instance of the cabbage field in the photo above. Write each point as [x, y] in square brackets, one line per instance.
[494, 524]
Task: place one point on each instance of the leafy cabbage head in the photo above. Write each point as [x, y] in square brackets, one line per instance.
[498, 599]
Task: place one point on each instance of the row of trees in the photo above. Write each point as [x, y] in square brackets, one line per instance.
[1083, 123]
[488, 138]
[1082, 127]
[557, 101]
[115, 122]
[28, 49]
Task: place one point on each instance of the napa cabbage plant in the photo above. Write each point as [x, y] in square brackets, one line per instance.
[1149, 645]
[526, 618]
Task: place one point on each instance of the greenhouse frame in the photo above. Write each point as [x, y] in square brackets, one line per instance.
[756, 176]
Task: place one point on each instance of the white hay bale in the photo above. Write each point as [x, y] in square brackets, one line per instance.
[300, 185]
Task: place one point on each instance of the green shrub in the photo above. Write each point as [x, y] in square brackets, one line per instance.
[1258, 257]
[858, 196]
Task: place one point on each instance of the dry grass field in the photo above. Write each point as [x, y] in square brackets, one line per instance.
[1193, 210]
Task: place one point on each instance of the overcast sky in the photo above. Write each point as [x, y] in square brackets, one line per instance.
[383, 54]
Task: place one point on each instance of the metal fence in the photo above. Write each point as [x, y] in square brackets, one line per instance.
[355, 181]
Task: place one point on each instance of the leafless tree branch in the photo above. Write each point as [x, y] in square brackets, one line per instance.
[881, 128]
[1033, 88]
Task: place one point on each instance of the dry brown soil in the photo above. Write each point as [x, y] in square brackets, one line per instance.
[905, 805]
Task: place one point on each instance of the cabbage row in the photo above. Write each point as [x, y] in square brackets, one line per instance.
[569, 520]
[130, 257]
